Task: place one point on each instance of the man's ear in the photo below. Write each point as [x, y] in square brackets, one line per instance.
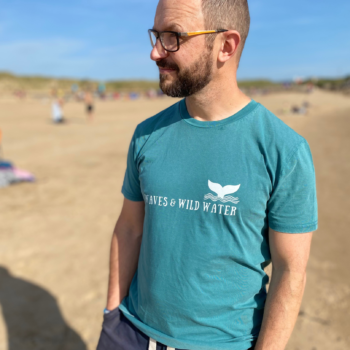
[229, 45]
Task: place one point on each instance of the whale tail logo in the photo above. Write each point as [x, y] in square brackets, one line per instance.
[222, 193]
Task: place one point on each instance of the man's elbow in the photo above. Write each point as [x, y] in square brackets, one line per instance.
[294, 279]
[297, 283]
[128, 230]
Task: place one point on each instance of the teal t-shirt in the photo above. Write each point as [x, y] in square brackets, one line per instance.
[211, 190]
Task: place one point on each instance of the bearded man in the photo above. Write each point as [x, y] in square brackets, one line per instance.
[216, 187]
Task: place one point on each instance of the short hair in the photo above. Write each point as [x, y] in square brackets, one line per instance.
[227, 14]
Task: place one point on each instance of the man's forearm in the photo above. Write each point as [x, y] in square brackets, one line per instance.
[281, 309]
[125, 251]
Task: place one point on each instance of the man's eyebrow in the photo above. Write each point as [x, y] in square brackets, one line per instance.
[173, 27]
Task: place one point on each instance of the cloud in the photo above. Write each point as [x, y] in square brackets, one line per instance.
[40, 56]
[284, 23]
[71, 58]
[4, 26]
[39, 48]
[120, 2]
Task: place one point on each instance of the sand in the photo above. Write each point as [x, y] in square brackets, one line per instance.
[55, 233]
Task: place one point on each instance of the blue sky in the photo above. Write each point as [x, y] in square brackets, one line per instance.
[107, 39]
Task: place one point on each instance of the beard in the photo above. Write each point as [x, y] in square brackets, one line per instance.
[189, 80]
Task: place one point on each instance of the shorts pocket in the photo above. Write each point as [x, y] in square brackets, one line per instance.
[118, 333]
[112, 313]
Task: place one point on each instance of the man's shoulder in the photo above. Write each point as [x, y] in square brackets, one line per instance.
[275, 131]
[159, 121]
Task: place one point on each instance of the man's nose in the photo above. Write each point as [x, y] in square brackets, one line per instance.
[158, 51]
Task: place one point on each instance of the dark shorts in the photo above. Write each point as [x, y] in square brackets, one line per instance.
[59, 121]
[118, 333]
[89, 108]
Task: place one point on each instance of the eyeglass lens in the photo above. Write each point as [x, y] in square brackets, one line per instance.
[168, 40]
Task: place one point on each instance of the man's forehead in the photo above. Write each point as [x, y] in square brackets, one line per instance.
[178, 14]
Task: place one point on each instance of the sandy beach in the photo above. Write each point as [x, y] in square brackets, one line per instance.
[55, 233]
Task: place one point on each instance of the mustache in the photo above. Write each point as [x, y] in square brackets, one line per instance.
[167, 65]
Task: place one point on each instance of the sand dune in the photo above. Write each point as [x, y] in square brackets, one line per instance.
[55, 233]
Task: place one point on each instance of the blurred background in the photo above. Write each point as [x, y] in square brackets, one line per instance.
[75, 80]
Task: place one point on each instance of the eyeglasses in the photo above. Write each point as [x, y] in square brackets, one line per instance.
[170, 40]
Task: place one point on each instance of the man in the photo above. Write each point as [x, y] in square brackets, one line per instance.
[89, 103]
[56, 108]
[216, 187]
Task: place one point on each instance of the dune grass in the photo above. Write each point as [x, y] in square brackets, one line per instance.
[10, 82]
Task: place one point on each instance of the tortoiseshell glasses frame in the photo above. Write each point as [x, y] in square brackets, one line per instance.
[170, 40]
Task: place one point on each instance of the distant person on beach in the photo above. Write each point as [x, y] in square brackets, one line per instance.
[101, 90]
[89, 104]
[216, 188]
[56, 109]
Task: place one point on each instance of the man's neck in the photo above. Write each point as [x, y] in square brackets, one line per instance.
[216, 101]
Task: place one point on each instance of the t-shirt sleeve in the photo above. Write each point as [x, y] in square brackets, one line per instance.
[131, 186]
[292, 207]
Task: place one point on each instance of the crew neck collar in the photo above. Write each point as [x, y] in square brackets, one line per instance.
[212, 124]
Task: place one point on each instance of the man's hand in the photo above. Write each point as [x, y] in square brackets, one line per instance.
[289, 254]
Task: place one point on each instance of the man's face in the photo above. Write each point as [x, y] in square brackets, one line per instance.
[189, 70]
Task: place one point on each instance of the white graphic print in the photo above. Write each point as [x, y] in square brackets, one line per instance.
[222, 193]
[195, 206]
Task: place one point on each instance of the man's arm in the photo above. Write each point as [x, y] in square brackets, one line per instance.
[125, 251]
[289, 254]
